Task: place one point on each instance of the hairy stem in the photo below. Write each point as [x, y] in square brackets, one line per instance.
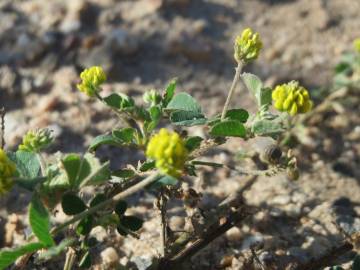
[162, 209]
[42, 163]
[139, 186]
[2, 119]
[232, 89]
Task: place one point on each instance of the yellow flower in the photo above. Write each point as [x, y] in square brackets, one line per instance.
[292, 98]
[36, 140]
[7, 171]
[169, 152]
[91, 78]
[357, 45]
[247, 46]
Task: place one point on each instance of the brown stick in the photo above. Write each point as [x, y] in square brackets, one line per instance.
[231, 220]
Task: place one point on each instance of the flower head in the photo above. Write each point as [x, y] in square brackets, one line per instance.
[247, 46]
[91, 78]
[7, 171]
[169, 152]
[36, 140]
[357, 45]
[292, 98]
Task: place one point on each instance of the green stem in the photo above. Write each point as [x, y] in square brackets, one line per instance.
[42, 163]
[108, 202]
[232, 89]
[129, 123]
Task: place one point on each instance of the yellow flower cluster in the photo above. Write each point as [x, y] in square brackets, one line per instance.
[169, 152]
[292, 98]
[357, 45]
[7, 171]
[247, 46]
[36, 140]
[91, 78]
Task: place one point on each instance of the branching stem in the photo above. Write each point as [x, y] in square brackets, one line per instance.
[139, 186]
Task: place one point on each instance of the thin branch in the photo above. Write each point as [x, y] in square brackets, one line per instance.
[42, 163]
[162, 202]
[139, 186]
[232, 89]
[2, 119]
[231, 220]
[70, 259]
[179, 253]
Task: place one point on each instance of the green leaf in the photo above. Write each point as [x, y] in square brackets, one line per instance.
[165, 180]
[356, 263]
[85, 225]
[7, 257]
[85, 261]
[119, 101]
[27, 164]
[120, 208]
[229, 128]
[99, 198]
[71, 164]
[187, 118]
[40, 221]
[107, 220]
[267, 128]
[169, 92]
[253, 83]
[30, 183]
[237, 114]
[264, 97]
[124, 173]
[183, 102]
[125, 135]
[72, 204]
[155, 115]
[56, 250]
[86, 170]
[131, 222]
[147, 166]
[106, 139]
[192, 143]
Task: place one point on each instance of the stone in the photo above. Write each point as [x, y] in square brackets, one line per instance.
[109, 258]
[120, 41]
[8, 79]
[234, 234]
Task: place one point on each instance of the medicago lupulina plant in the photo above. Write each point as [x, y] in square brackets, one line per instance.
[169, 158]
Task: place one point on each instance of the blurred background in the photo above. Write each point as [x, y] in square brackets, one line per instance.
[143, 44]
[44, 45]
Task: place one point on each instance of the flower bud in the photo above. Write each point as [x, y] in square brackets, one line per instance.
[292, 98]
[247, 46]
[91, 78]
[36, 140]
[357, 45]
[153, 97]
[169, 152]
[7, 171]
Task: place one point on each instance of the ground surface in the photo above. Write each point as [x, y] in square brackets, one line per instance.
[143, 44]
